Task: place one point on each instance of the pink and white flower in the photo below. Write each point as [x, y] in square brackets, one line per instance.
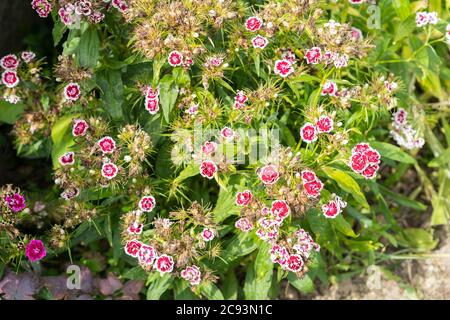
[308, 176]
[42, 7]
[132, 247]
[294, 263]
[135, 228]
[208, 234]
[15, 202]
[253, 24]
[10, 78]
[147, 256]
[107, 145]
[283, 68]
[35, 250]
[280, 209]
[28, 56]
[192, 274]
[209, 147]
[313, 55]
[279, 254]
[308, 132]
[79, 128]
[164, 264]
[313, 188]
[67, 159]
[109, 170]
[208, 169]
[356, 34]
[259, 42]
[72, 91]
[329, 88]
[244, 198]
[269, 174]
[324, 124]
[9, 62]
[147, 203]
[240, 99]
[244, 225]
[152, 105]
[227, 133]
[365, 160]
[175, 58]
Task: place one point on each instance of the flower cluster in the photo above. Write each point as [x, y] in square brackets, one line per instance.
[309, 132]
[403, 133]
[423, 18]
[42, 7]
[73, 12]
[365, 160]
[333, 207]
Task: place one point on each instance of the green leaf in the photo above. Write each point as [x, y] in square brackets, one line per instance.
[418, 239]
[230, 286]
[88, 49]
[392, 152]
[59, 28]
[168, 95]
[211, 291]
[346, 183]
[258, 280]
[225, 205]
[190, 171]
[10, 113]
[405, 28]
[402, 200]
[343, 226]
[110, 81]
[135, 273]
[402, 8]
[304, 285]
[61, 137]
[158, 286]
[442, 160]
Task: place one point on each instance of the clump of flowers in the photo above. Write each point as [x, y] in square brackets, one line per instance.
[403, 133]
[365, 160]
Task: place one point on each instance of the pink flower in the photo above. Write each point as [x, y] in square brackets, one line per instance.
[356, 34]
[313, 188]
[16, 202]
[283, 68]
[324, 124]
[147, 203]
[400, 117]
[244, 198]
[227, 133]
[132, 247]
[107, 145]
[209, 147]
[329, 88]
[365, 160]
[42, 7]
[358, 162]
[313, 55]
[70, 193]
[208, 169]
[294, 263]
[331, 209]
[308, 132]
[83, 7]
[207, 234]
[279, 254]
[10, 78]
[152, 93]
[390, 86]
[109, 170]
[356, 1]
[269, 174]
[152, 105]
[72, 91]
[67, 159]
[79, 128]
[308, 176]
[135, 228]
[371, 171]
[175, 58]
[35, 250]
[146, 256]
[253, 24]
[9, 62]
[240, 99]
[421, 19]
[288, 55]
[259, 42]
[280, 209]
[120, 5]
[96, 17]
[164, 264]
[192, 274]
[244, 225]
